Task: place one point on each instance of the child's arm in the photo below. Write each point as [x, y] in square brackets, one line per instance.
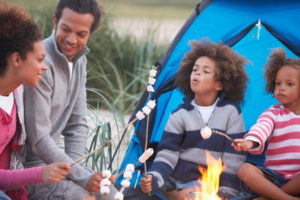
[244, 145]
[53, 173]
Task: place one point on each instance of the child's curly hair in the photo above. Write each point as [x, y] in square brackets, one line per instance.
[277, 60]
[18, 33]
[230, 69]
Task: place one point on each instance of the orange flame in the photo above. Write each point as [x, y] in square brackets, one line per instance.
[210, 179]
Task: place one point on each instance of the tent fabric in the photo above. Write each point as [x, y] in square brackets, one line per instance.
[232, 22]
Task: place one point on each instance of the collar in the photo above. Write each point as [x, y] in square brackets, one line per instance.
[188, 99]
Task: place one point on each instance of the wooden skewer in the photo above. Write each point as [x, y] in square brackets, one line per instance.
[223, 134]
[106, 143]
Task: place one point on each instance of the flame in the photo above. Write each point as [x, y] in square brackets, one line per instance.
[210, 179]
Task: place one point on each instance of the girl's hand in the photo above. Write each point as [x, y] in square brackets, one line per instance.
[243, 145]
[55, 172]
[146, 183]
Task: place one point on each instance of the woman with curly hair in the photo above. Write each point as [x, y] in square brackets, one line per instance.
[21, 61]
[280, 127]
[213, 80]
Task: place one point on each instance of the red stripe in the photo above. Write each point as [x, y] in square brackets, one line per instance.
[287, 136]
[282, 150]
[290, 122]
[283, 162]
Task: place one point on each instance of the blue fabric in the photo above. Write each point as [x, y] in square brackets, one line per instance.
[222, 20]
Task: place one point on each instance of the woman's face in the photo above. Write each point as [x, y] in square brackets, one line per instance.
[31, 69]
[203, 80]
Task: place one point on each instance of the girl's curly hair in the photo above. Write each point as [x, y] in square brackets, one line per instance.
[18, 33]
[277, 59]
[230, 69]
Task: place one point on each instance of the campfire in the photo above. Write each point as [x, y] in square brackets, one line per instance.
[210, 179]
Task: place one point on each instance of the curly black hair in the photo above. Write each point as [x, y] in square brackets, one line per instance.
[18, 33]
[277, 60]
[230, 69]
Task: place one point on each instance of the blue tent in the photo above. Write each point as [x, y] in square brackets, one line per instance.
[234, 22]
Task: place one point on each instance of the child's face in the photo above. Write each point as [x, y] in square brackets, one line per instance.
[203, 78]
[31, 69]
[287, 86]
[72, 31]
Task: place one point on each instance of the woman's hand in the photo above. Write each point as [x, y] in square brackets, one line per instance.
[55, 172]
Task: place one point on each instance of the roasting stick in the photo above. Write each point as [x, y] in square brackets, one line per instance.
[106, 143]
[151, 82]
[146, 140]
[227, 136]
[142, 159]
[206, 133]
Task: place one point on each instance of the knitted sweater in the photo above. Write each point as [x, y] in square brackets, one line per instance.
[281, 128]
[58, 107]
[182, 148]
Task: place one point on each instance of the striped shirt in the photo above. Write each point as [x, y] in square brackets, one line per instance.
[182, 149]
[281, 128]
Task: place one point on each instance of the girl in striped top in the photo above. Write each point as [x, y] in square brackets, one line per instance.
[280, 127]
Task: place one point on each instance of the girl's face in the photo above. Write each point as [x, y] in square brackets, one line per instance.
[203, 80]
[287, 87]
[31, 69]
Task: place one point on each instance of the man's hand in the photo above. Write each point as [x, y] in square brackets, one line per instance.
[55, 172]
[146, 183]
[94, 183]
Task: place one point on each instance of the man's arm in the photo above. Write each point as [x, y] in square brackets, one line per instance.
[37, 104]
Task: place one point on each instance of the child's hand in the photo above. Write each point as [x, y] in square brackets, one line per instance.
[243, 145]
[146, 183]
[55, 172]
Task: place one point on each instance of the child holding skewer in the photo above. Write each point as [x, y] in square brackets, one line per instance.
[213, 80]
[280, 127]
[21, 62]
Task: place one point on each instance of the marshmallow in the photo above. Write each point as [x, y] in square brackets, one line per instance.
[104, 190]
[147, 154]
[151, 81]
[129, 168]
[206, 132]
[125, 183]
[127, 175]
[106, 174]
[140, 115]
[119, 196]
[150, 88]
[151, 104]
[105, 182]
[152, 72]
[146, 110]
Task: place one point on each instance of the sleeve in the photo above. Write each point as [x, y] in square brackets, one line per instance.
[231, 158]
[76, 131]
[37, 105]
[262, 130]
[12, 179]
[235, 129]
[168, 152]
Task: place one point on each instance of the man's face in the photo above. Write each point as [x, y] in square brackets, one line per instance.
[72, 31]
